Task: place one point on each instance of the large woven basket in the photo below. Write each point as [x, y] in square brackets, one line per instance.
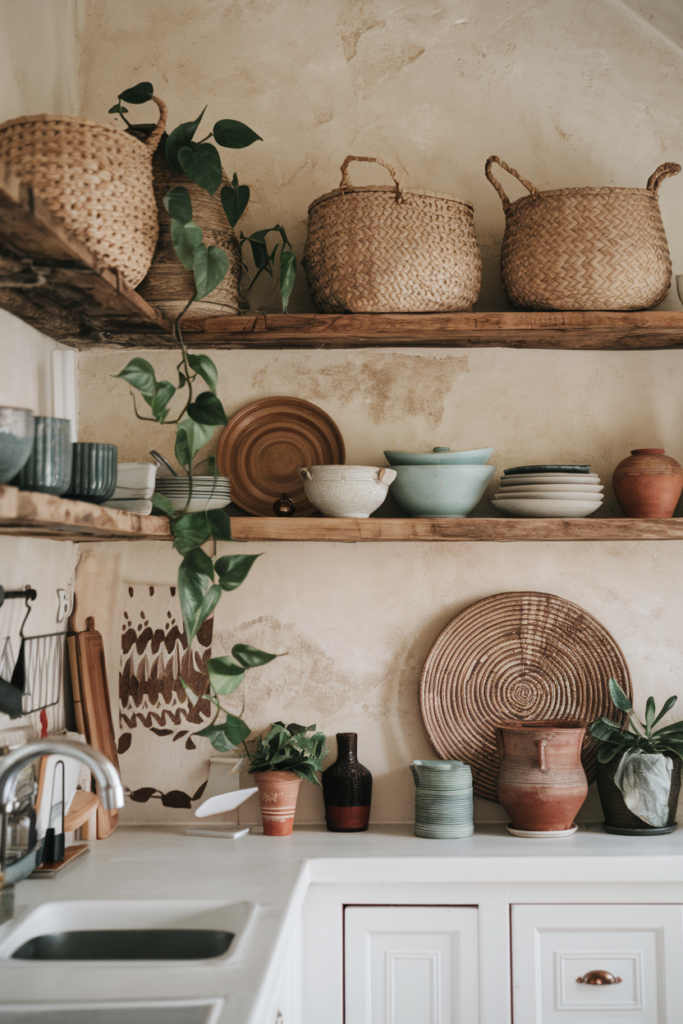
[388, 249]
[584, 248]
[95, 178]
[168, 286]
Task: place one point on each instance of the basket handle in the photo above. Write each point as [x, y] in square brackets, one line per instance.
[658, 176]
[153, 139]
[346, 183]
[497, 185]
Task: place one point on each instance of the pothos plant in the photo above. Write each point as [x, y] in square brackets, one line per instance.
[202, 578]
[201, 162]
[613, 739]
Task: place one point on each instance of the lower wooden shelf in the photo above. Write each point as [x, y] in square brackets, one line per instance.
[29, 514]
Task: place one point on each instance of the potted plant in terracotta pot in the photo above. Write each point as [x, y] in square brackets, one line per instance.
[284, 756]
[639, 768]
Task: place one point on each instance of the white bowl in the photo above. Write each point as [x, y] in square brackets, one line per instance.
[547, 508]
[548, 478]
[541, 489]
[346, 492]
[557, 495]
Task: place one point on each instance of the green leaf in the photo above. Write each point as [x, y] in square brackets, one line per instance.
[187, 238]
[668, 704]
[283, 235]
[161, 501]
[190, 437]
[287, 277]
[202, 165]
[191, 531]
[210, 267]
[159, 403]
[140, 93]
[619, 697]
[607, 752]
[206, 368]
[207, 409]
[140, 375]
[217, 737]
[232, 570]
[178, 204]
[220, 524]
[118, 109]
[650, 711]
[178, 138]
[306, 771]
[235, 200]
[225, 674]
[197, 592]
[234, 134]
[250, 656]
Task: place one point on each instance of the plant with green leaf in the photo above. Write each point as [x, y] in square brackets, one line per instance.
[289, 748]
[613, 738]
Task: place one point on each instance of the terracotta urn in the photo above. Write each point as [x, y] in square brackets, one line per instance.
[541, 783]
[277, 792]
[648, 484]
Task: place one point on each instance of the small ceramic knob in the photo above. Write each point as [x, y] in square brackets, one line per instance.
[437, 450]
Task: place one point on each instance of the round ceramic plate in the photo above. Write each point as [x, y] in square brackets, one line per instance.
[548, 508]
[577, 495]
[548, 478]
[590, 486]
[546, 469]
[525, 834]
[521, 657]
[265, 443]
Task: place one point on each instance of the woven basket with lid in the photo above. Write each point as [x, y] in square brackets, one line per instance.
[389, 249]
[584, 248]
[95, 178]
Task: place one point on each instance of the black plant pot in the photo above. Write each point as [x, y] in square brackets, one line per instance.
[619, 820]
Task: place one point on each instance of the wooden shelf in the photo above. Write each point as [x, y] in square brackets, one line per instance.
[50, 280]
[30, 514]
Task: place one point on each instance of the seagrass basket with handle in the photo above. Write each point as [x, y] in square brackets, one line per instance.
[390, 249]
[584, 248]
[95, 178]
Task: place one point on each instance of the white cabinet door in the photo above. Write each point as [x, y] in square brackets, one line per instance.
[411, 965]
[555, 949]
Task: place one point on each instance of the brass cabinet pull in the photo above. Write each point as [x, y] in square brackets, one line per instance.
[598, 978]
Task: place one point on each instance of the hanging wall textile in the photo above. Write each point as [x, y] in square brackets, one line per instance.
[519, 656]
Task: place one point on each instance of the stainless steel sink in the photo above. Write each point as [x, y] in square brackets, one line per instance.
[127, 944]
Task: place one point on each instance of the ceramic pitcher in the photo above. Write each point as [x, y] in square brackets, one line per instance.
[443, 799]
[541, 783]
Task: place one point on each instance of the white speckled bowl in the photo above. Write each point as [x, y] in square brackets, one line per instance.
[346, 492]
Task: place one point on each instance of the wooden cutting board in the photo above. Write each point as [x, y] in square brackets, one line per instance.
[96, 711]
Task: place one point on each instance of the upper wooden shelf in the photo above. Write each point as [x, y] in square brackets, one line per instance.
[50, 280]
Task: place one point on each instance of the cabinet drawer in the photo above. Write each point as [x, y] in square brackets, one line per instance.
[639, 946]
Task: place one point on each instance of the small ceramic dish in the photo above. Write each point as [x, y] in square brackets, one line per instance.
[540, 489]
[548, 478]
[440, 457]
[346, 492]
[547, 508]
[577, 495]
[447, 492]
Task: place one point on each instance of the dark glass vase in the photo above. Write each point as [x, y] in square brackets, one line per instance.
[347, 788]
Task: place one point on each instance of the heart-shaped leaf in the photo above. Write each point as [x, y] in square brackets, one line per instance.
[140, 93]
[187, 238]
[206, 368]
[178, 204]
[235, 201]
[234, 134]
[220, 524]
[197, 592]
[160, 501]
[190, 437]
[140, 375]
[162, 396]
[232, 570]
[191, 531]
[225, 674]
[247, 655]
[179, 137]
[210, 267]
[202, 165]
[208, 409]
[287, 277]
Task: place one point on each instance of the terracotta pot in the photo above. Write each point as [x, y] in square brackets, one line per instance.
[541, 783]
[648, 484]
[277, 792]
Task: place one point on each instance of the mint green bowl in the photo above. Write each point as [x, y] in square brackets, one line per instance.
[440, 492]
[440, 457]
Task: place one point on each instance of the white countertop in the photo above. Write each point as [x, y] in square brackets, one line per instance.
[160, 863]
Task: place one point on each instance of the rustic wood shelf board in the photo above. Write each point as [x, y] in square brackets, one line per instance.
[30, 514]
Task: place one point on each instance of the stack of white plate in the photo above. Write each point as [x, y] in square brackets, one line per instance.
[208, 492]
[548, 493]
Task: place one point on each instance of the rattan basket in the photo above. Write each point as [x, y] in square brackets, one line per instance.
[584, 248]
[95, 178]
[388, 249]
[168, 286]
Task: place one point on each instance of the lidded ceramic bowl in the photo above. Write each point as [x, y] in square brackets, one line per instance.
[440, 456]
[348, 492]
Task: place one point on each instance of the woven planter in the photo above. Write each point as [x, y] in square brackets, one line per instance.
[95, 178]
[168, 286]
[584, 248]
[388, 249]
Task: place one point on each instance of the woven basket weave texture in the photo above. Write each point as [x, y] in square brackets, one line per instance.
[584, 248]
[168, 286]
[517, 656]
[95, 178]
[387, 249]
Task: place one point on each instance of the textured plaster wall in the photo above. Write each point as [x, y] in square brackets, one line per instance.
[571, 94]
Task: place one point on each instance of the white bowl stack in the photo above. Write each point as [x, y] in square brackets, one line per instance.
[208, 492]
[545, 492]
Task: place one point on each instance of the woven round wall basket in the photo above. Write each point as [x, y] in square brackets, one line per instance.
[168, 286]
[516, 657]
[389, 249]
[584, 248]
[95, 178]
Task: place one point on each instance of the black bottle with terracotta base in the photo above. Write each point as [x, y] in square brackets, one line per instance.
[347, 788]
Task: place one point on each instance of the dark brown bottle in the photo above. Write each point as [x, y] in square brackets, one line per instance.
[347, 788]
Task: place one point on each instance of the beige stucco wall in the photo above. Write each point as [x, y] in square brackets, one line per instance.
[571, 94]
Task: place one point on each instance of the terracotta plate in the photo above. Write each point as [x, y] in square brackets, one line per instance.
[265, 443]
[521, 657]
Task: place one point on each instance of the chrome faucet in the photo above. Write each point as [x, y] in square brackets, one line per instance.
[110, 791]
